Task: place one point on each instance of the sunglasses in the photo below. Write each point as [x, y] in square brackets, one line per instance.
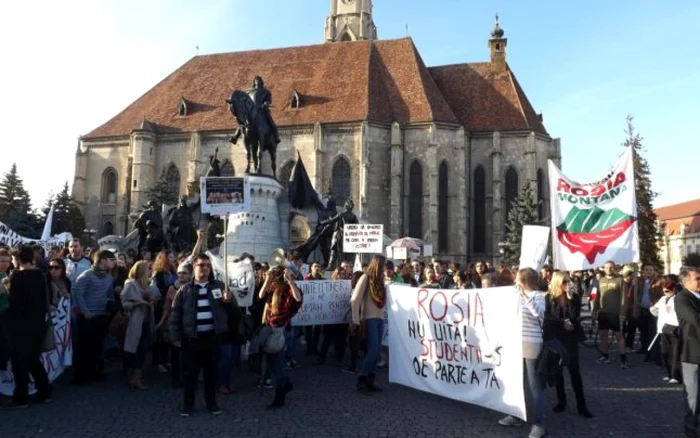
[52, 267]
[203, 265]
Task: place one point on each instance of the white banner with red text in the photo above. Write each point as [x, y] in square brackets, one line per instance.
[463, 344]
[54, 361]
[594, 222]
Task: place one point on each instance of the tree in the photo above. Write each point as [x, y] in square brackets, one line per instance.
[66, 214]
[161, 192]
[692, 259]
[649, 235]
[523, 212]
[16, 206]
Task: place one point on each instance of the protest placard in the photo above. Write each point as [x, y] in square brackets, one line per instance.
[222, 195]
[325, 302]
[533, 247]
[56, 360]
[241, 278]
[462, 344]
[400, 253]
[363, 238]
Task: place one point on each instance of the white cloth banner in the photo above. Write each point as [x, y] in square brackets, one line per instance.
[325, 302]
[9, 239]
[241, 278]
[533, 246]
[594, 222]
[464, 344]
[54, 361]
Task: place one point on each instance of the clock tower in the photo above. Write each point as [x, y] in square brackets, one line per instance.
[350, 20]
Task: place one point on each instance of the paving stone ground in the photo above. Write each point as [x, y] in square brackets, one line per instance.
[627, 403]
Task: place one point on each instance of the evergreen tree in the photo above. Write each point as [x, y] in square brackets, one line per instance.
[16, 206]
[161, 192]
[66, 214]
[692, 259]
[523, 212]
[649, 235]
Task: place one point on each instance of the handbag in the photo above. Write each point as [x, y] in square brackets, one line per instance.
[117, 327]
[270, 340]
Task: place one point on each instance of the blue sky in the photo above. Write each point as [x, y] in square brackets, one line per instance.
[585, 65]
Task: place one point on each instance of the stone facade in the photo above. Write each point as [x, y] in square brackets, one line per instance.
[679, 225]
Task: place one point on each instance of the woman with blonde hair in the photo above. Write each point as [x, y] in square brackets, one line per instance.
[138, 298]
[367, 303]
[562, 322]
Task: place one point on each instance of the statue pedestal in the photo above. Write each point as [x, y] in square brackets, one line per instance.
[257, 232]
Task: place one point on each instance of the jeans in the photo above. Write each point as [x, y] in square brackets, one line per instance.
[374, 329]
[290, 343]
[538, 390]
[278, 369]
[336, 335]
[89, 352]
[226, 357]
[312, 334]
[691, 373]
[200, 354]
[25, 358]
[670, 355]
[136, 360]
[575, 373]
[630, 330]
[176, 363]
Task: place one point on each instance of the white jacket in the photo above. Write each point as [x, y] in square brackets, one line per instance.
[665, 310]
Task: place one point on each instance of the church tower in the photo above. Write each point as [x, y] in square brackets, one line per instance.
[350, 20]
[497, 46]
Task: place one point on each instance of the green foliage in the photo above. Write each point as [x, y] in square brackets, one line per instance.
[16, 206]
[649, 236]
[161, 192]
[523, 212]
[66, 214]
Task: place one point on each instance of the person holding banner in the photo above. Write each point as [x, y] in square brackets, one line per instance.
[367, 303]
[562, 322]
[533, 306]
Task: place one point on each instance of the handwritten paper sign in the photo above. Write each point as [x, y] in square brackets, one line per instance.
[462, 344]
[56, 360]
[325, 302]
[223, 195]
[363, 238]
[400, 253]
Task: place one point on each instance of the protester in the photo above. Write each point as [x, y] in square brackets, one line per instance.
[58, 282]
[444, 278]
[533, 306]
[430, 281]
[631, 290]
[650, 291]
[667, 331]
[138, 299]
[687, 306]
[198, 318]
[92, 291]
[76, 262]
[488, 279]
[27, 313]
[312, 334]
[5, 264]
[367, 303]
[164, 277]
[184, 272]
[39, 259]
[610, 309]
[333, 334]
[505, 278]
[283, 300]
[562, 322]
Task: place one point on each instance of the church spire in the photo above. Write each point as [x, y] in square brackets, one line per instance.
[350, 20]
[497, 46]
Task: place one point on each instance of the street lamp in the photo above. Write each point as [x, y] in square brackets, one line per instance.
[90, 232]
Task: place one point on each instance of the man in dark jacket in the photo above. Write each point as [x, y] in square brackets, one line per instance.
[197, 322]
[27, 324]
[687, 304]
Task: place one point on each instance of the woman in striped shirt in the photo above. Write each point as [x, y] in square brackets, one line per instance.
[533, 305]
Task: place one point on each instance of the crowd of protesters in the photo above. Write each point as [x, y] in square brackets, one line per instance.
[171, 306]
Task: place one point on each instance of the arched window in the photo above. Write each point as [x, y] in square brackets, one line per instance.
[109, 186]
[172, 179]
[227, 169]
[442, 207]
[415, 200]
[294, 100]
[479, 213]
[285, 173]
[511, 190]
[108, 228]
[540, 194]
[341, 182]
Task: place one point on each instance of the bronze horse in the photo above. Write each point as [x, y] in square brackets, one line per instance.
[257, 133]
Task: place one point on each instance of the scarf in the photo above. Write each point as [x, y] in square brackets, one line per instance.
[377, 293]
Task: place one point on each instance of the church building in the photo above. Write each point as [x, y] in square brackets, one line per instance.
[437, 153]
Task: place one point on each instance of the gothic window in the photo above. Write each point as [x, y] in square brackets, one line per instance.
[442, 208]
[182, 109]
[479, 214]
[108, 228]
[295, 101]
[341, 182]
[227, 169]
[285, 173]
[172, 179]
[109, 186]
[540, 194]
[415, 200]
[511, 190]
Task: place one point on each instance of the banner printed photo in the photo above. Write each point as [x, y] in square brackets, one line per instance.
[594, 222]
[463, 344]
[224, 195]
[241, 278]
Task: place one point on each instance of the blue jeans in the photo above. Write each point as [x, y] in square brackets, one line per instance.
[538, 389]
[136, 360]
[374, 328]
[278, 369]
[223, 370]
[290, 343]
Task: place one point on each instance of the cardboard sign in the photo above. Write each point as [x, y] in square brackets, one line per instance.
[363, 238]
[224, 195]
[325, 302]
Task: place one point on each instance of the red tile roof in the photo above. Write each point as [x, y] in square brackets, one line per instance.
[673, 216]
[383, 80]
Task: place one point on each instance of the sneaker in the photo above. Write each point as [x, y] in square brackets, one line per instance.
[187, 411]
[267, 384]
[673, 381]
[624, 366]
[509, 421]
[604, 358]
[666, 379]
[537, 432]
[349, 370]
[215, 410]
